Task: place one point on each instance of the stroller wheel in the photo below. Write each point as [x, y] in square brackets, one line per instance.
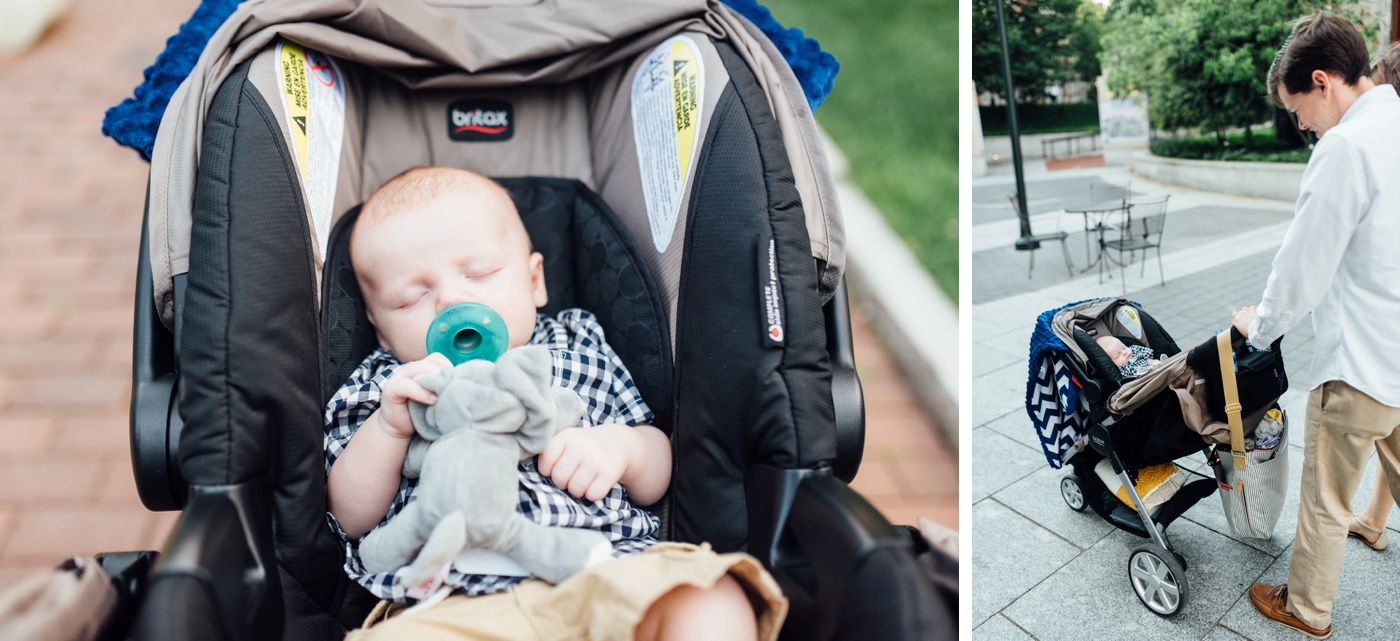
[1073, 493]
[1158, 578]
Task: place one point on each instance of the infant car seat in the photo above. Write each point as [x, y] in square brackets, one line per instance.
[669, 170]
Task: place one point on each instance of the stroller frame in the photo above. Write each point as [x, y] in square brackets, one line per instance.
[1156, 571]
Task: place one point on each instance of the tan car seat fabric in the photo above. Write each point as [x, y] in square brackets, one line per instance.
[1098, 318]
[568, 64]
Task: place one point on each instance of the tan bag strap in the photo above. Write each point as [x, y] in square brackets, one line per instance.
[1232, 398]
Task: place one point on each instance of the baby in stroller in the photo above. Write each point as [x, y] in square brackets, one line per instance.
[583, 478]
[1132, 361]
[1116, 425]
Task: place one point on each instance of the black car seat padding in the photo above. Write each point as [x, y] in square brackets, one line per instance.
[743, 400]
[1101, 366]
[250, 391]
[1156, 336]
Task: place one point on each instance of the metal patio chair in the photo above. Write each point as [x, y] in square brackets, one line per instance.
[1142, 232]
[1057, 235]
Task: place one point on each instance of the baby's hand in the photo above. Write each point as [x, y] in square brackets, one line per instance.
[587, 462]
[401, 387]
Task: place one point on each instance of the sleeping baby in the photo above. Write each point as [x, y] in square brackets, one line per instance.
[1132, 361]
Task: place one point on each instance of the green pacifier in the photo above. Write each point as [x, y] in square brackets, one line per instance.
[468, 331]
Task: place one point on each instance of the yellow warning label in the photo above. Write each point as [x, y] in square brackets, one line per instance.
[293, 81]
[668, 94]
[685, 89]
[1128, 318]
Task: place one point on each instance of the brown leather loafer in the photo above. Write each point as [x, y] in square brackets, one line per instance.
[1272, 602]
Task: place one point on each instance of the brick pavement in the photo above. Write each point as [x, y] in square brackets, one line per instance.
[1074, 163]
[70, 211]
[907, 470]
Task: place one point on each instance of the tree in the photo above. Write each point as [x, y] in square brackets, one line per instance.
[1202, 63]
[1087, 43]
[1049, 45]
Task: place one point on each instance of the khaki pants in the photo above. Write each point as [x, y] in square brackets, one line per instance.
[605, 602]
[1343, 426]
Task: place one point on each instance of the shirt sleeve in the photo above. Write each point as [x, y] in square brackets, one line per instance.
[351, 405]
[1332, 200]
[593, 369]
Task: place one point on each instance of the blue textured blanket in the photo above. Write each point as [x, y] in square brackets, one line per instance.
[134, 122]
[1052, 400]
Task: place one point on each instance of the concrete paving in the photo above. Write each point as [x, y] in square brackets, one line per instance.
[70, 215]
[1042, 571]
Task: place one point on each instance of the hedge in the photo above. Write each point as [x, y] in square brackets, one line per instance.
[1261, 147]
[1042, 119]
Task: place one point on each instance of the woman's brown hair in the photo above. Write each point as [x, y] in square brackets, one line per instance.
[1386, 69]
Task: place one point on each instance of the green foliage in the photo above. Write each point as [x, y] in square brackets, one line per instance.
[1202, 63]
[1087, 41]
[1257, 146]
[1051, 41]
[1042, 119]
[894, 113]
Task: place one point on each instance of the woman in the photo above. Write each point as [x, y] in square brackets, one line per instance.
[1369, 525]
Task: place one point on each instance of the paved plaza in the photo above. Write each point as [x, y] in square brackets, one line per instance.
[1042, 571]
[70, 216]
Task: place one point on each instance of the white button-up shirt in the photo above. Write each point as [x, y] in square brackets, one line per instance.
[1341, 256]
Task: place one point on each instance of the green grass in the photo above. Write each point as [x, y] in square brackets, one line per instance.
[894, 112]
[1261, 147]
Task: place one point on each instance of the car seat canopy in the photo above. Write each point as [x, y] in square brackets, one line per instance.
[1109, 317]
[435, 83]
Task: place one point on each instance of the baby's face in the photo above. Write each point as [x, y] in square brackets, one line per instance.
[462, 247]
[1116, 350]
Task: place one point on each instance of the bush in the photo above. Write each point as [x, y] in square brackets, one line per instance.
[1042, 119]
[1262, 146]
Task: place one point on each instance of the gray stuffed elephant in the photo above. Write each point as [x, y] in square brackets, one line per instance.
[488, 418]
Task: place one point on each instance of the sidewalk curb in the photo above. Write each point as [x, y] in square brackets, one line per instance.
[910, 314]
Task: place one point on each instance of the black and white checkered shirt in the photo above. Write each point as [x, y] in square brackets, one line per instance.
[1137, 365]
[584, 363]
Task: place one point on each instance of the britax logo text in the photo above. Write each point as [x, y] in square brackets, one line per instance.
[479, 120]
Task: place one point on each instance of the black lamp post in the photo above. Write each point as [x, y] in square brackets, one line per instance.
[1027, 240]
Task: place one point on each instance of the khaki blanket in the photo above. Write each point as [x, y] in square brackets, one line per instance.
[1191, 391]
